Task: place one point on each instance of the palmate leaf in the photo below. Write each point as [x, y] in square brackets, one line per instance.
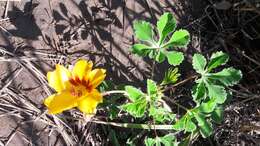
[199, 92]
[205, 127]
[165, 25]
[217, 59]
[228, 76]
[190, 126]
[199, 63]
[150, 141]
[174, 57]
[137, 108]
[218, 92]
[208, 107]
[134, 94]
[157, 50]
[218, 114]
[141, 49]
[179, 38]
[143, 30]
[167, 140]
[180, 124]
[215, 82]
[151, 87]
[185, 123]
[160, 114]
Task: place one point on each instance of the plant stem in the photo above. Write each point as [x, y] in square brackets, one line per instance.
[136, 126]
[113, 92]
[181, 82]
[181, 106]
[153, 67]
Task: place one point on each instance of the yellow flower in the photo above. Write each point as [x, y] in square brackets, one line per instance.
[75, 88]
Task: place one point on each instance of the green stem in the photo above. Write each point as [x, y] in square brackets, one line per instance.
[114, 92]
[136, 126]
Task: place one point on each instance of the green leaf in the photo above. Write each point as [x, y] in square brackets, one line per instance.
[169, 140]
[208, 107]
[190, 125]
[134, 94]
[151, 87]
[199, 92]
[228, 76]
[149, 141]
[158, 141]
[174, 57]
[206, 130]
[185, 123]
[217, 59]
[205, 127]
[199, 63]
[160, 57]
[143, 30]
[137, 108]
[165, 25]
[218, 92]
[160, 114]
[180, 38]
[218, 114]
[180, 124]
[171, 76]
[141, 49]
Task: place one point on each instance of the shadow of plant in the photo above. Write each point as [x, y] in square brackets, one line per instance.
[24, 22]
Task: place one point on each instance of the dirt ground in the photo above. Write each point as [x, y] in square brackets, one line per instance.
[37, 34]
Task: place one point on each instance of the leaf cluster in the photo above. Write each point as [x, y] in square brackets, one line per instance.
[213, 84]
[167, 140]
[159, 49]
[210, 92]
[149, 103]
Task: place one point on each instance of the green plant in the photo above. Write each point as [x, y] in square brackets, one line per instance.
[152, 108]
[160, 48]
[150, 103]
[210, 92]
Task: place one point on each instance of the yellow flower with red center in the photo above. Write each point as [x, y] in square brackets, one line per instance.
[76, 88]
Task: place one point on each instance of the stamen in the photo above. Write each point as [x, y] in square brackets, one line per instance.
[77, 80]
[85, 82]
[76, 93]
[73, 82]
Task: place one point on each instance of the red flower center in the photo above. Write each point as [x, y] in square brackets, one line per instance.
[76, 81]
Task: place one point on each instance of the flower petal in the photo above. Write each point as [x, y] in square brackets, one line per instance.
[58, 78]
[88, 104]
[96, 77]
[81, 68]
[57, 103]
